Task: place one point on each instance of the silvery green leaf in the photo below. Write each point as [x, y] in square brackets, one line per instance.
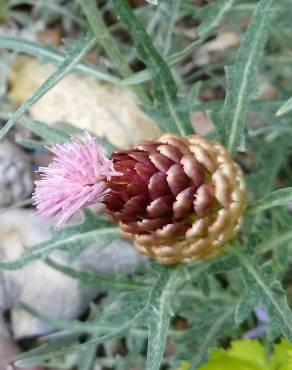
[285, 108]
[263, 290]
[241, 78]
[73, 57]
[48, 54]
[159, 311]
[164, 85]
[280, 197]
[72, 239]
[208, 324]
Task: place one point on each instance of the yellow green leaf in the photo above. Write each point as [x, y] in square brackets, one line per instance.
[282, 357]
[243, 355]
[185, 366]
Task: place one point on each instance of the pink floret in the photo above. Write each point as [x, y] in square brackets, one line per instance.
[75, 178]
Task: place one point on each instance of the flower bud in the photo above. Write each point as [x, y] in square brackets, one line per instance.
[178, 199]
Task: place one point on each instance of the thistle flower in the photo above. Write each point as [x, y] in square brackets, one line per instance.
[178, 199]
[74, 179]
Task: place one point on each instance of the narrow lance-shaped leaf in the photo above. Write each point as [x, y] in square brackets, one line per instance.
[241, 79]
[207, 325]
[73, 57]
[276, 198]
[53, 135]
[109, 324]
[30, 143]
[158, 312]
[164, 86]
[72, 238]
[58, 347]
[50, 349]
[103, 37]
[216, 14]
[98, 280]
[285, 108]
[263, 290]
[48, 54]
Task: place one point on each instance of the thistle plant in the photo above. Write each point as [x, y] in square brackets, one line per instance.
[210, 213]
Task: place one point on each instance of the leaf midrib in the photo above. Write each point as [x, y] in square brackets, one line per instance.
[238, 109]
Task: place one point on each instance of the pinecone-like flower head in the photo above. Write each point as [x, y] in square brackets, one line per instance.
[178, 199]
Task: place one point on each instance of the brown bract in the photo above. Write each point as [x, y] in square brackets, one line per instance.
[179, 199]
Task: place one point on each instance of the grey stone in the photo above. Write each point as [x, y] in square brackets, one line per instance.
[16, 181]
[41, 286]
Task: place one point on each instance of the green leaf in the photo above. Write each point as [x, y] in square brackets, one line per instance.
[263, 290]
[185, 366]
[30, 143]
[50, 349]
[241, 78]
[125, 312]
[73, 57]
[282, 356]
[93, 278]
[53, 135]
[243, 355]
[86, 357]
[73, 326]
[216, 14]
[48, 54]
[250, 354]
[47, 132]
[213, 15]
[208, 324]
[72, 239]
[285, 108]
[283, 238]
[164, 86]
[276, 198]
[103, 37]
[4, 8]
[222, 264]
[158, 312]
[184, 105]
[119, 312]
[114, 322]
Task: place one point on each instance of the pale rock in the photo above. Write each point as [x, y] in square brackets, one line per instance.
[265, 89]
[15, 174]
[201, 123]
[41, 286]
[213, 50]
[82, 101]
[8, 349]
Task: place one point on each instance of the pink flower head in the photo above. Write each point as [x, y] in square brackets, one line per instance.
[75, 178]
